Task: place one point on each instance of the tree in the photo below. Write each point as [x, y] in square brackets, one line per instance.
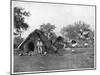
[47, 29]
[79, 31]
[76, 30]
[53, 37]
[69, 32]
[19, 20]
[81, 26]
[17, 41]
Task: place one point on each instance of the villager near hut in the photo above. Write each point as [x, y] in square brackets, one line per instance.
[30, 43]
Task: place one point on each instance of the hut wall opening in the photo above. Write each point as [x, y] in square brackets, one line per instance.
[30, 46]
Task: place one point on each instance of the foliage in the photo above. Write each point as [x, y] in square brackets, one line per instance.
[53, 37]
[19, 19]
[17, 41]
[69, 32]
[79, 31]
[47, 29]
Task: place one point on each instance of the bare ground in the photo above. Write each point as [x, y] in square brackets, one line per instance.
[68, 59]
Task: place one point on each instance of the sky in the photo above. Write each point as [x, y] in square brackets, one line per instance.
[59, 15]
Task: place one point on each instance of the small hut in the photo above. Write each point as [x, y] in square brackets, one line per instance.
[29, 44]
[59, 42]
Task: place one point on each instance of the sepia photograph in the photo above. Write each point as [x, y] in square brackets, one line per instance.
[52, 37]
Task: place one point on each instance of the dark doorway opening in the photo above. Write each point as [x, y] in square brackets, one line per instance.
[31, 46]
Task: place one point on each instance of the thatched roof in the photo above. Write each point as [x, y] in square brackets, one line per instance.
[59, 39]
[33, 36]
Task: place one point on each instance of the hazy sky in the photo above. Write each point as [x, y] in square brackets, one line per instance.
[58, 14]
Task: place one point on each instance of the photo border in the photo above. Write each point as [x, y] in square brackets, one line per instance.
[50, 71]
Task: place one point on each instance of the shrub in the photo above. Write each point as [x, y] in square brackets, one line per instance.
[17, 41]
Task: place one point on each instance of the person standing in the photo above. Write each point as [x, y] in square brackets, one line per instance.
[39, 46]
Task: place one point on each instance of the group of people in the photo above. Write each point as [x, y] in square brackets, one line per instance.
[40, 47]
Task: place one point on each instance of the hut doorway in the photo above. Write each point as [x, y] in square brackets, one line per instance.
[31, 46]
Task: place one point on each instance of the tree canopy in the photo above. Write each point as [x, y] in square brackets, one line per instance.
[47, 29]
[19, 19]
[75, 31]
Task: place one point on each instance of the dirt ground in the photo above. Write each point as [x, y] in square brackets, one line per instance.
[68, 59]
